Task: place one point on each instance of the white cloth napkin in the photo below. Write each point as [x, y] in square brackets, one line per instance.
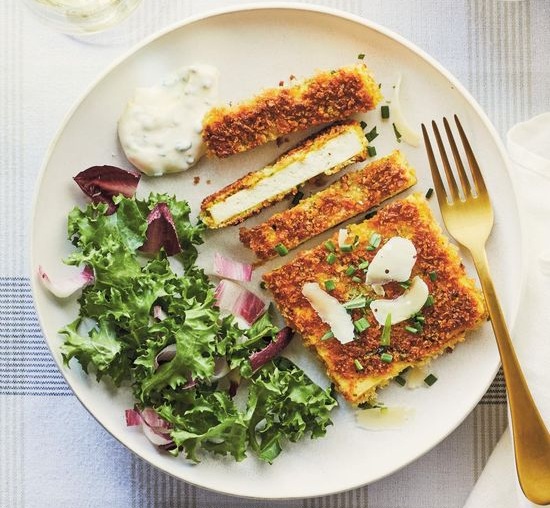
[529, 148]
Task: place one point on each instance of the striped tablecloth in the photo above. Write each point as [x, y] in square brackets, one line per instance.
[52, 452]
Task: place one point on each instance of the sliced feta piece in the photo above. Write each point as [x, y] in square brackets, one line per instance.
[408, 134]
[342, 236]
[330, 310]
[403, 307]
[393, 262]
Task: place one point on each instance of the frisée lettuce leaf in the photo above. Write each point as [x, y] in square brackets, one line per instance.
[142, 304]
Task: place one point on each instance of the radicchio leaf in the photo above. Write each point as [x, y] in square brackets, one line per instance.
[161, 232]
[101, 183]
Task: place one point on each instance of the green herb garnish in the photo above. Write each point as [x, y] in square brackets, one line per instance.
[281, 249]
[386, 332]
[361, 324]
[430, 379]
[329, 285]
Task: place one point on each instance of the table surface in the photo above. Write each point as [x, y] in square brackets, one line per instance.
[52, 452]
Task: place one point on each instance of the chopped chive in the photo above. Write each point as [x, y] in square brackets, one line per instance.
[400, 380]
[411, 329]
[386, 357]
[371, 150]
[420, 318]
[297, 198]
[429, 301]
[405, 285]
[329, 285]
[429, 193]
[346, 247]
[379, 85]
[397, 133]
[262, 285]
[357, 364]
[385, 111]
[356, 303]
[374, 241]
[350, 270]
[329, 245]
[328, 335]
[361, 324]
[386, 332]
[355, 241]
[281, 249]
[363, 124]
[433, 276]
[331, 258]
[356, 279]
[430, 379]
[372, 134]
[363, 265]
[371, 213]
[361, 56]
[366, 405]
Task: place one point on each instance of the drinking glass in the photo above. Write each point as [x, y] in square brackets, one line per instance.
[81, 17]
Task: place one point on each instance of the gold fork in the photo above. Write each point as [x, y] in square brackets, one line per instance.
[468, 217]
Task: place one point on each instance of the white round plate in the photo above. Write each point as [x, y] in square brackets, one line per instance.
[255, 47]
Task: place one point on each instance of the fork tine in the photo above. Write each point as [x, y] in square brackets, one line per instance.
[479, 183]
[448, 171]
[436, 177]
[465, 184]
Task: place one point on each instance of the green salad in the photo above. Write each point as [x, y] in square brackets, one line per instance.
[151, 321]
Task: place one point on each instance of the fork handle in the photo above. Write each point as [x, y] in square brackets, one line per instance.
[531, 438]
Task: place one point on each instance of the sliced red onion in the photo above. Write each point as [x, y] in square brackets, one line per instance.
[155, 428]
[161, 232]
[133, 417]
[230, 269]
[68, 286]
[221, 368]
[101, 183]
[273, 349]
[165, 355]
[157, 438]
[158, 313]
[151, 418]
[239, 301]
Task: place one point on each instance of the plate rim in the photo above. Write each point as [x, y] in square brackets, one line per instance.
[249, 7]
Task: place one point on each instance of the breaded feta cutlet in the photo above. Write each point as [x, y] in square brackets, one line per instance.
[326, 97]
[454, 307]
[327, 151]
[354, 193]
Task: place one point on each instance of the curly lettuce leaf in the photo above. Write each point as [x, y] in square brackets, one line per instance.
[100, 348]
[283, 403]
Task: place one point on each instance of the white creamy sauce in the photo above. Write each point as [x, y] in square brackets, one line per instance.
[404, 306]
[334, 152]
[393, 262]
[160, 129]
[331, 311]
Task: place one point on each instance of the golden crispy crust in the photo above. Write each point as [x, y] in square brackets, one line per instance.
[307, 146]
[458, 305]
[353, 194]
[326, 97]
